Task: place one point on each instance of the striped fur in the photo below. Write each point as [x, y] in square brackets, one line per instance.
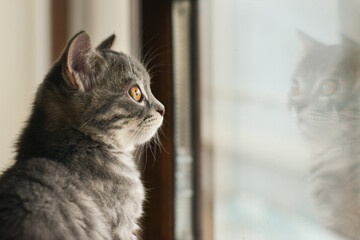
[74, 176]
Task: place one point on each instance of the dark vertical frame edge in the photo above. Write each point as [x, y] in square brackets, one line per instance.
[59, 30]
[194, 31]
[156, 33]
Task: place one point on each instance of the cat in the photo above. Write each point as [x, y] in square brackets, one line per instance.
[74, 175]
[325, 98]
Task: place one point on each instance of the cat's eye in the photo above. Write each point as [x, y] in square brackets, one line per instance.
[329, 87]
[135, 93]
[295, 87]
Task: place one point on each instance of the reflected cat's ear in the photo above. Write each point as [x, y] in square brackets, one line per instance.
[308, 42]
[107, 43]
[82, 65]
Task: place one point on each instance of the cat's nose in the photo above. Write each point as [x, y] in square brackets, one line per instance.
[161, 111]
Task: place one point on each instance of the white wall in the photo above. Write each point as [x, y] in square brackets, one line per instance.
[103, 18]
[24, 48]
[249, 50]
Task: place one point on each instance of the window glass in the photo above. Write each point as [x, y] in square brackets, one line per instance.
[261, 61]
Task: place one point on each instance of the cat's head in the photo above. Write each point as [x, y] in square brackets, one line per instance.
[102, 93]
[324, 93]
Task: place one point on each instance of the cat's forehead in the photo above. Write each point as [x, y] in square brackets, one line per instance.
[329, 60]
[125, 67]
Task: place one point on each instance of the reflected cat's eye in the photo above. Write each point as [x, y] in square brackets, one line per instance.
[135, 93]
[329, 87]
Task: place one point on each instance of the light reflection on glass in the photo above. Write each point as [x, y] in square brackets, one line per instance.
[270, 170]
[324, 97]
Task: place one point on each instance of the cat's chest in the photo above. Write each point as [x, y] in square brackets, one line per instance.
[121, 197]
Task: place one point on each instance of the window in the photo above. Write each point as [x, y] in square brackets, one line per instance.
[256, 174]
[234, 163]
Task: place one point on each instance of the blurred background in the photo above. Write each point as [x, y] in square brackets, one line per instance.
[35, 32]
[234, 164]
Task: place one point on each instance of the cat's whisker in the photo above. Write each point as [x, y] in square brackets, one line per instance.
[157, 142]
[153, 154]
[138, 154]
[84, 124]
[153, 66]
[156, 53]
[150, 52]
[146, 158]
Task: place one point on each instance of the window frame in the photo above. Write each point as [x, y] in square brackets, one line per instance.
[158, 177]
[157, 32]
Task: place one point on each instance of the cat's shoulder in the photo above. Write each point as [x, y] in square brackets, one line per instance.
[40, 199]
[32, 182]
[21, 188]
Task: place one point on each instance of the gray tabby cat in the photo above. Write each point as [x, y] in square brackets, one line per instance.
[74, 175]
[325, 97]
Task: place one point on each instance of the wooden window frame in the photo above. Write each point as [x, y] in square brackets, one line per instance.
[158, 221]
[59, 30]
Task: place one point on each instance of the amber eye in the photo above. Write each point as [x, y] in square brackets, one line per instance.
[329, 87]
[135, 93]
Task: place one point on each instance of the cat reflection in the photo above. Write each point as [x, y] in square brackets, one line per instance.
[324, 97]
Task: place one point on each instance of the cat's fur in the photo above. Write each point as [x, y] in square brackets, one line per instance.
[325, 97]
[74, 175]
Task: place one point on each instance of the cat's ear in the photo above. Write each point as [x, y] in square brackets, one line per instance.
[107, 43]
[308, 42]
[82, 65]
[347, 41]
